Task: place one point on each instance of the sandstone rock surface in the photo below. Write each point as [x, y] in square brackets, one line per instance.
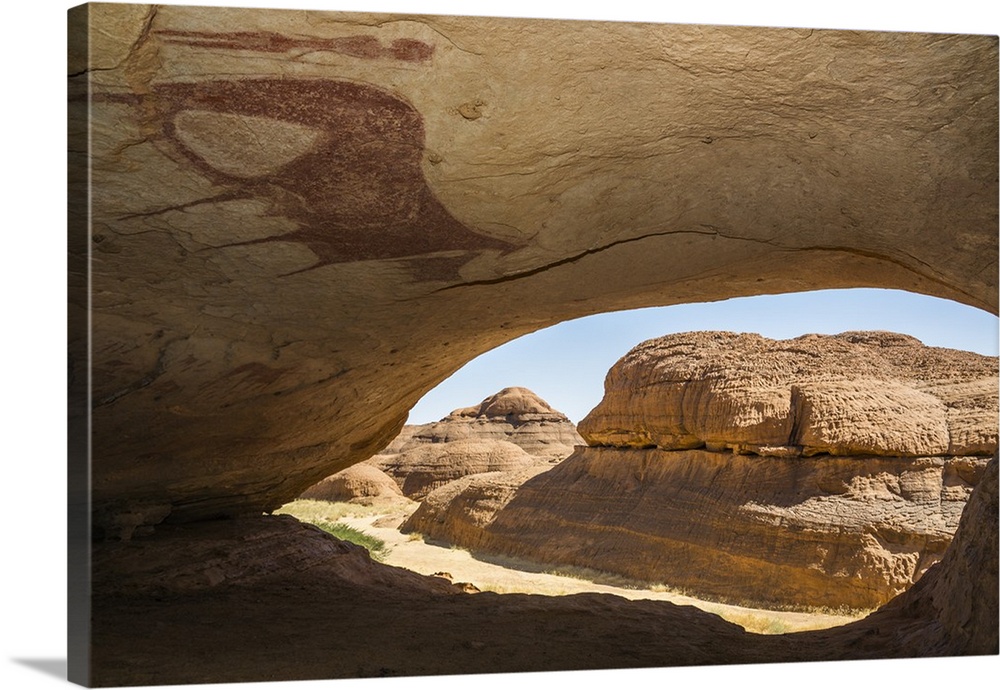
[268, 300]
[515, 415]
[831, 532]
[425, 467]
[870, 393]
[843, 489]
[510, 430]
[361, 483]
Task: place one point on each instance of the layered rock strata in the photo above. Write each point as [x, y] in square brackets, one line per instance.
[787, 525]
[425, 467]
[788, 532]
[510, 430]
[870, 393]
[516, 415]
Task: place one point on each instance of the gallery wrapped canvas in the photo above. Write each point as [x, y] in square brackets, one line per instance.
[286, 226]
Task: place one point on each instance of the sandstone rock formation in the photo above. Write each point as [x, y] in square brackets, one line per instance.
[509, 430]
[515, 415]
[425, 467]
[871, 393]
[268, 300]
[960, 594]
[286, 227]
[462, 511]
[361, 483]
[853, 489]
[787, 532]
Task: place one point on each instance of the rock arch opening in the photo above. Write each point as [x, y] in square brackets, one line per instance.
[777, 522]
[566, 363]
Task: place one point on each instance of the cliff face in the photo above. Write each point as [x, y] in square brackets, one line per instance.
[853, 491]
[829, 531]
[871, 393]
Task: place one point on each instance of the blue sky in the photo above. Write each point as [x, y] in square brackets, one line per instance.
[566, 364]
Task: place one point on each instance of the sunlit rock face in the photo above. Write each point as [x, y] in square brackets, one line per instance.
[515, 415]
[425, 467]
[822, 471]
[302, 221]
[361, 483]
[510, 430]
[867, 393]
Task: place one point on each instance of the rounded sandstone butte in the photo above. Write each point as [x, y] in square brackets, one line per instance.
[423, 468]
[857, 393]
[516, 415]
[357, 483]
[517, 405]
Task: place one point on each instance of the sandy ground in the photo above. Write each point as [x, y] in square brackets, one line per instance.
[507, 576]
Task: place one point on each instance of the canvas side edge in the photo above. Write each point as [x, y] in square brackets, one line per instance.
[78, 348]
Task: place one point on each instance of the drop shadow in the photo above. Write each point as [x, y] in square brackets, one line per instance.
[56, 668]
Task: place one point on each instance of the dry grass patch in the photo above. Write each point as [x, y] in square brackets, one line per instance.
[327, 515]
[753, 622]
[308, 510]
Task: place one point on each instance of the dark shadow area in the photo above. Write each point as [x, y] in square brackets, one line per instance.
[339, 615]
[50, 667]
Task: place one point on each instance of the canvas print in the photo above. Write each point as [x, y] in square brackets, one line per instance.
[286, 227]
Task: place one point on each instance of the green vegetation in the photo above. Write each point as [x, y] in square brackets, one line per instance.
[326, 514]
[753, 622]
[376, 547]
[497, 588]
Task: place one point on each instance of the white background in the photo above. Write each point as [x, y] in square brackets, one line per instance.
[34, 355]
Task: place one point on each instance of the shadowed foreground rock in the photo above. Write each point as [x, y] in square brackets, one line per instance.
[214, 605]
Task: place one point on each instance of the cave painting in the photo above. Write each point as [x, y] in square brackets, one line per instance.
[341, 159]
[367, 47]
